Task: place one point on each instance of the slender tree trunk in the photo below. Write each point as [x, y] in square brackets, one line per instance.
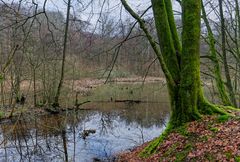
[217, 70]
[172, 25]
[17, 84]
[2, 92]
[12, 87]
[43, 77]
[237, 37]
[224, 53]
[34, 87]
[56, 100]
[238, 23]
[44, 94]
[237, 29]
[165, 38]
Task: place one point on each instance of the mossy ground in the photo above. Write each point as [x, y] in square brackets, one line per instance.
[212, 138]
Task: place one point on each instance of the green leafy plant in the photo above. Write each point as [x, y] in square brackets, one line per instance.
[223, 118]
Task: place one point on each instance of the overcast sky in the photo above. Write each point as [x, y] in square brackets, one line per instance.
[91, 13]
[83, 10]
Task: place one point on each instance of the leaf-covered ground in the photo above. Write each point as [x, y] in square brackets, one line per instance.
[213, 138]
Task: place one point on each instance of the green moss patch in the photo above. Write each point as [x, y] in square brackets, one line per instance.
[223, 118]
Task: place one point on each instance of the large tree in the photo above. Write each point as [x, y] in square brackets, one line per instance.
[180, 60]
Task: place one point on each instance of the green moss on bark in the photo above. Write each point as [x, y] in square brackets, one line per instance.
[165, 38]
[186, 107]
[213, 53]
[207, 108]
[173, 28]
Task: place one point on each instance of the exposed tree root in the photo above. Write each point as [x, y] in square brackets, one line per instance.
[208, 108]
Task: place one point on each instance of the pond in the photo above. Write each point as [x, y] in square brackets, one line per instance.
[85, 135]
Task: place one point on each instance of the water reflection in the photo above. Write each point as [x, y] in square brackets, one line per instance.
[111, 128]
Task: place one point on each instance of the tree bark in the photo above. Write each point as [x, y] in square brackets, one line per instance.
[34, 87]
[224, 53]
[187, 108]
[217, 70]
[56, 99]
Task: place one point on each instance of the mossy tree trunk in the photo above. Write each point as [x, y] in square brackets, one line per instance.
[224, 54]
[181, 59]
[213, 55]
[186, 72]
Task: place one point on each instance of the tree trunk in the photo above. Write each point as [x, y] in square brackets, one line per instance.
[186, 108]
[165, 38]
[56, 99]
[181, 65]
[224, 53]
[183, 96]
[217, 70]
[2, 92]
[34, 87]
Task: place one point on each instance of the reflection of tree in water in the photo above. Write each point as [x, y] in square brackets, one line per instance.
[44, 138]
[18, 137]
[106, 122]
[21, 141]
[146, 114]
[58, 137]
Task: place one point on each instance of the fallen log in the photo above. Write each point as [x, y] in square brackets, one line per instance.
[129, 101]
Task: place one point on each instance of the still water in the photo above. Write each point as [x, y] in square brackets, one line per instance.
[82, 136]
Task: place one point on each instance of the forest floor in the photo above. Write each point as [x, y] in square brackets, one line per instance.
[213, 138]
